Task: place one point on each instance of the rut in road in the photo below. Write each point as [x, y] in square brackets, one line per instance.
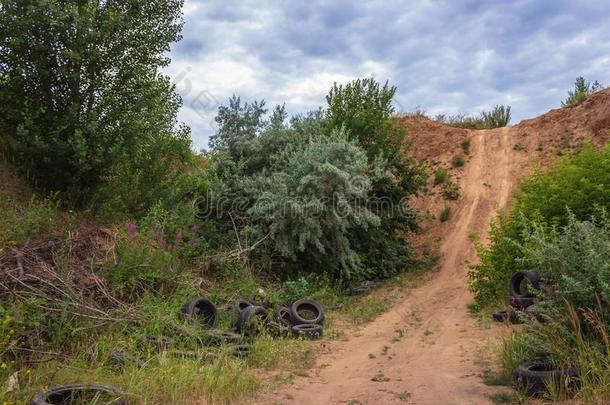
[434, 362]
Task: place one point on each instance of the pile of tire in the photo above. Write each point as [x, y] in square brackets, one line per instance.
[522, 297]
[303, 319]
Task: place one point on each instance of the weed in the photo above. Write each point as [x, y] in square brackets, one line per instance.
[445, 213]
[440, 176]
[458, 161]
[465, 145]
[451, 190]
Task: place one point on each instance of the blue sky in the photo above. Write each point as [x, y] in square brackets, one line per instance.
[444, 56]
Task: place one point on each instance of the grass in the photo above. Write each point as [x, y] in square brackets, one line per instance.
[451, 190]
[465, 145]
[445, 213]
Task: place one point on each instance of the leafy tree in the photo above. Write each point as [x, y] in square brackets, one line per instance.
[363, 108]
[80, 88]
[582, 91]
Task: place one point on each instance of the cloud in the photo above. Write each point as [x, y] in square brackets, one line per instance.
[445, 56]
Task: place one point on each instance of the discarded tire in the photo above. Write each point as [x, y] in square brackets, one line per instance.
[309, 331]
[79, 394]
[278, 329]
[205, 357]
[507, 315]
[282, 315]
[519, 282]
[304, 312]
[215, 336]
[364, 288]
[251, 320]
[121, 359]
[535, 378]
[521, 303]
[200, 309]
[158, 342]
[241, 304]
[240, 351]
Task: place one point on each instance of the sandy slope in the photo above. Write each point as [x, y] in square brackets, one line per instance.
[434, 362]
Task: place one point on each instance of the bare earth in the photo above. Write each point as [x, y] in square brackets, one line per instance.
[434, 361]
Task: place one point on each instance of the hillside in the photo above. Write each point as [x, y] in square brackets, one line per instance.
[430, 341]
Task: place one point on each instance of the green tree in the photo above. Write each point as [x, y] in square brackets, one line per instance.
[80, 88]
[582, 90]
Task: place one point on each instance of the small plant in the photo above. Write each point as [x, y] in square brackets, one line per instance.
[458, 161]
[440, 176]
[451, 190]
[294, 290]
[445, 213]
[465, 145]
[582, 91]
[498, 117]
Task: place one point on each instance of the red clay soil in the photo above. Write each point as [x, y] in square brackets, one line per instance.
[435, 361]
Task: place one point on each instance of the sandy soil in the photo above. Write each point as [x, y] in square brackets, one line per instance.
[424, 350]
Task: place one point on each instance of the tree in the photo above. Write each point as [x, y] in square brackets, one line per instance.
[80, 88]
[582, 91]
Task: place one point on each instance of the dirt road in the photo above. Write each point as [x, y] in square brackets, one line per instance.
[423, 350]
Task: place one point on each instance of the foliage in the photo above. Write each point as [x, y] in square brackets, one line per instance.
[458, 161]
[465, 145]
[440, 176]
[80, 90]
[498, 117]
[579, 182]
[451, 190]
[582, 90]
[445, 213]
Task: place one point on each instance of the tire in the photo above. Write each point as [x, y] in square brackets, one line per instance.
[304, 312]
[516, 281]
[534, 378]
[201, 309]
[521, 303]
[282, 315]
[249, 320]
[121, 359]
[278, 329]
[240, 351]
[78, 394]
[205, 358]
[240, 305]
[308, 331]
[158, 342]
[507, 315]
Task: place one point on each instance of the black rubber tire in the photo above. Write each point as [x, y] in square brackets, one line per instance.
[246, 324]
[278, 329]
[158, 342]
[241, 304]
[120, 359]
[65, 394]
[521, 303]
[296, 309]
[240, 351]
[514, 285]
[308, 331]
[205, 358]
[282, 315]
[507, 315]
[202, 309]
[533, 378]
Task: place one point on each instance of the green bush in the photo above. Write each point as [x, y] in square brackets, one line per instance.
[100, 103]
[582, 91]
[580, 183]
[445, 213]
[498, 117]
[458, 161]
[465, 145]
[440, 176]
[451, 190]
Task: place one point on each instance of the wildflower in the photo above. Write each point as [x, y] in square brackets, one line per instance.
[132, 229]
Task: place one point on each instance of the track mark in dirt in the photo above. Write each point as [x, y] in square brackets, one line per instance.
[432, 359]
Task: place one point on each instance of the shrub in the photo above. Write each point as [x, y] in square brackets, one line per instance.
[461, 120]
[498, 117]
[458, 161]
[451, 190]
[582, 91]
[465, 145]
[440, 176]
[579, 182]
[445, 213]
[100, 102]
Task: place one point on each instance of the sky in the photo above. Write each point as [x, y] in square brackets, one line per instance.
[443, 56]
